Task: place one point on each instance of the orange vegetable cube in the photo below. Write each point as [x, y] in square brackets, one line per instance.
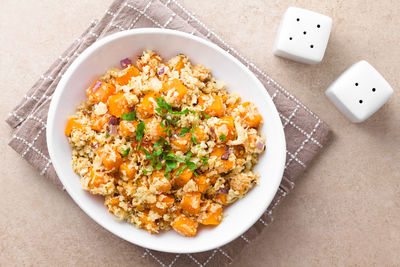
[224, 129]
[110, 157]
[212, 215]
[212, 105]
[97, 122]
[203, 182]
[191, 202]
[126, 75]
[127, 128]
[249, 112]
[128, 170]
[200, 134]
[72, 124]
[178, 88]
[181, 143]
[99, 91]
[118, 105]
[164, 203]
[184, 177]
[148, 224]
[221, 198]
[185, 226]
[159, 182]
[146, 107]
[154, 130]
[224, 161]
[97, 179]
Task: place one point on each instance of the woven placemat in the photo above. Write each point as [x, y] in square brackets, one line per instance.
[305, 133]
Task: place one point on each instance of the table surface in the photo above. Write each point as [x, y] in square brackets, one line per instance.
[345, 209]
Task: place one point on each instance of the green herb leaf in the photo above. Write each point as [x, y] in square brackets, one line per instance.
[158, 165]
[204, 160]
[157, 153]
[148, 155]
[163, 125]
[181, 169]
[191, 165]
[131, 116]
[196, 174]
[193, 139]
[188, 156]
[125, 152]
[184, 131]
[163, 104]
[192, 111]
[205, 115]
[183, 112]
[140, 130]
[222, 137]
[170, 165]
[145, 172]
[167, 175]
[107, 135]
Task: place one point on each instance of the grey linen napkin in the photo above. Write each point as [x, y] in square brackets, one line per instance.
[305, 133]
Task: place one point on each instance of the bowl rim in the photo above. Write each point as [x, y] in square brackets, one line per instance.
[55, 101]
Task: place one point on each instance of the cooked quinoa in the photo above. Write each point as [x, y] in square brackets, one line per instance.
[165, 144]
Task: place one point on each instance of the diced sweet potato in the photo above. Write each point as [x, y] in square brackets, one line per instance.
[154, 130]
[163, 203]
[177, 86]
[159, 182]
[99, 91]
[191, 202]
[184, 177]
[118, 105]
[110, 157]
[200, 134]
[224, 161]
[249, 112]
[72, 123]
[97, 122]
[146, 107]
[147, 223]
[212, 105]
[203, 182]
[185, 226]
[127, 170]
[212, 215]
[126, 75]
[221, 198]
[224, 129]
[181, 143]
[97, 179]
[127, 128]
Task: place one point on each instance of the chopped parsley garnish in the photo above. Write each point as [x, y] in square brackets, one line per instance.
[222, 137]
[145, 172]
[131, 116]
[125, 152]
[107, 135]
[205, 115]
[140, 130]
[193, 139]
[183, 112]
[204, 160]
[184, 131]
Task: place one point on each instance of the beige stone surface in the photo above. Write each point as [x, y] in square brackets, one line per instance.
[345, 209]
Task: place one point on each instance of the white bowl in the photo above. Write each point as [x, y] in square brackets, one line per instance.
[105, 54]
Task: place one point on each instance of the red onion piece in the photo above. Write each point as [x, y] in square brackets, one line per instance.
[260, 145]
[113, 129]
[125, 62]
[223, 190]
[161, 71]
[225, 156]
[131, 109]
[113, 121]
[96, 86]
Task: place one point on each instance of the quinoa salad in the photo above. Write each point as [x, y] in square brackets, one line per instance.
[165, 143]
